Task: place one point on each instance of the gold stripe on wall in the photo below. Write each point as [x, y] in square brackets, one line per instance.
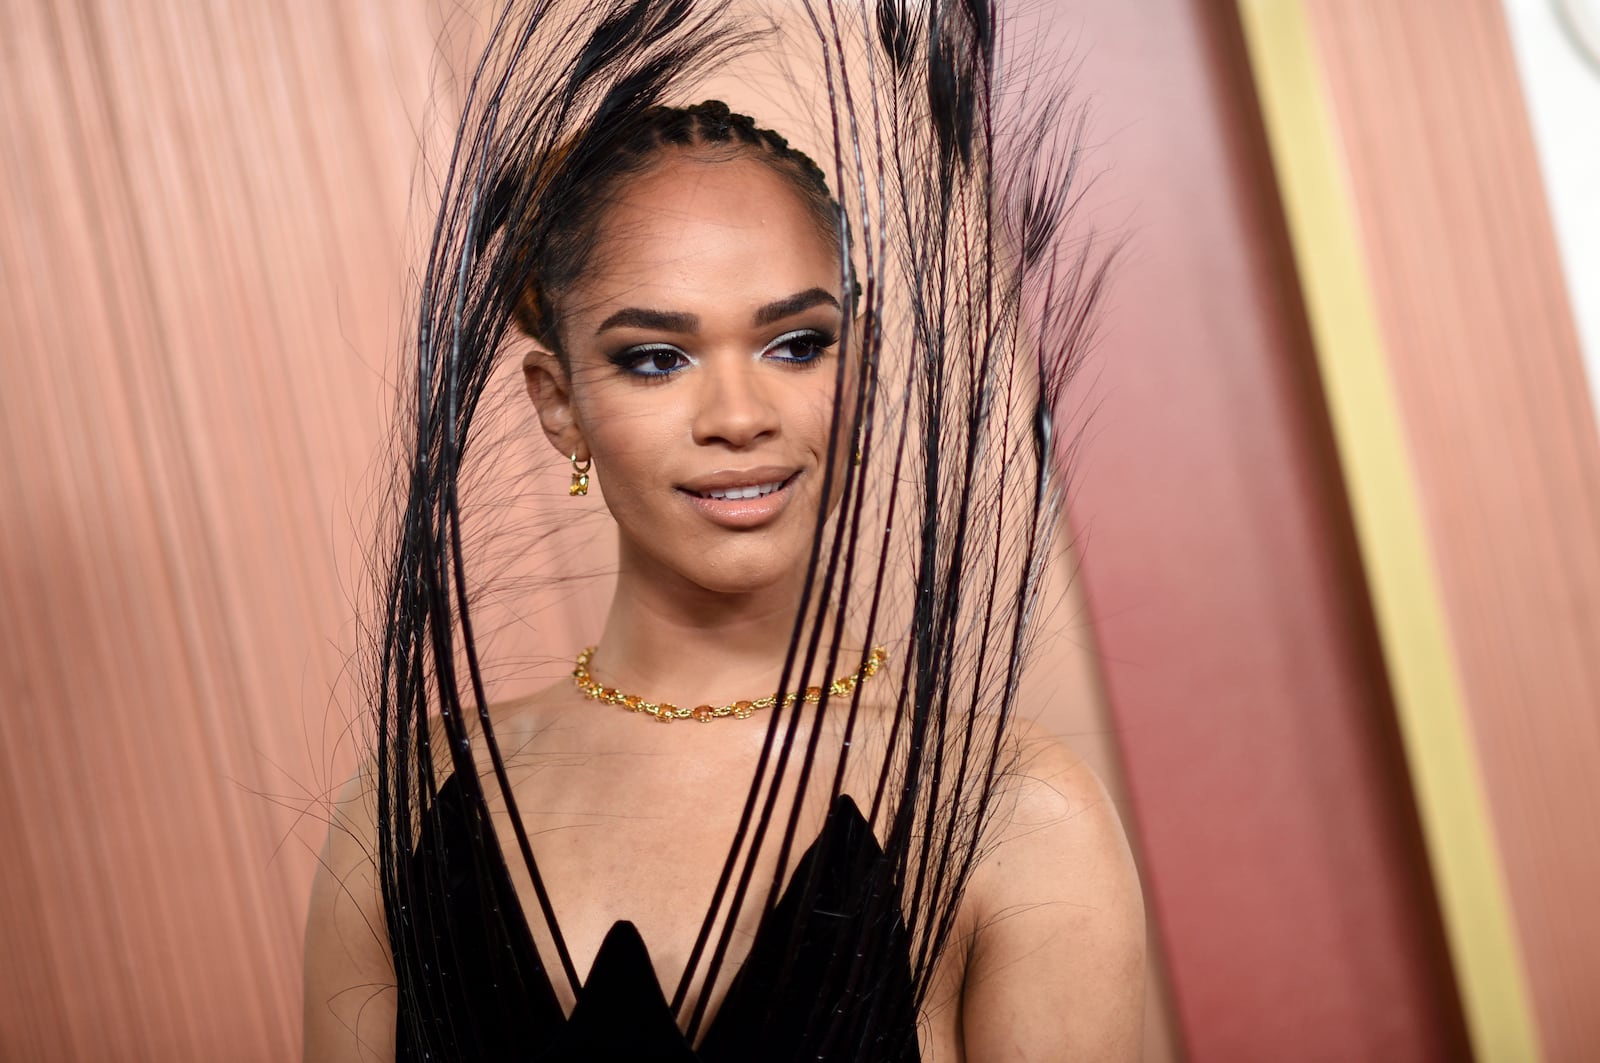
[1383, 499]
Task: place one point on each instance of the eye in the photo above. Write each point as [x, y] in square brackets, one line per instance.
[655, 360]
[801, 347]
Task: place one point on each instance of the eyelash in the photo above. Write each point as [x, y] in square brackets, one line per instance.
[815, 340]
[631, 360]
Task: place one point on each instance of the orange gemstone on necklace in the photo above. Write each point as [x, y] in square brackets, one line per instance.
[702, 713]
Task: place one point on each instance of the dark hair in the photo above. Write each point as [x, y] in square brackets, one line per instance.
[568, 201]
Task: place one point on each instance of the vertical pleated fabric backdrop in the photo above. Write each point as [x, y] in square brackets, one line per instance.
[203, 214]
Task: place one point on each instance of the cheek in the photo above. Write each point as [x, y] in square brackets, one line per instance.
[848, 440]
[631, 432]
[817, 415]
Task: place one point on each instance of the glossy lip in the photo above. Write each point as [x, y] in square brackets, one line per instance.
[742, 513]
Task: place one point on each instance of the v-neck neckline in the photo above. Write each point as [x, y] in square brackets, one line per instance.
[623, 964]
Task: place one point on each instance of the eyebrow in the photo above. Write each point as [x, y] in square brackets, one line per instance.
[661, 320]
[794, 304]
[677, 321]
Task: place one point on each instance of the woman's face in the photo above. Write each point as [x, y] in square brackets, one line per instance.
[701, 363]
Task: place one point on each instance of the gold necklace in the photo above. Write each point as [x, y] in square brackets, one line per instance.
[666, 712]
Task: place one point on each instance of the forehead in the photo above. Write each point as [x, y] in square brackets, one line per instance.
[696, 230]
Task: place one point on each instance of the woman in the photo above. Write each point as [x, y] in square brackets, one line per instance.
[832, 497]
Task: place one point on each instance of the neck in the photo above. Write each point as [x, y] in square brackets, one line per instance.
[667, 639]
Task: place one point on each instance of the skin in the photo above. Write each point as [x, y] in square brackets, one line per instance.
[1048, 960]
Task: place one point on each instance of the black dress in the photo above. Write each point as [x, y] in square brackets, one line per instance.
[828, 983]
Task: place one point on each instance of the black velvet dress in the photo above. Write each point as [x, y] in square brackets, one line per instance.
[472, 986]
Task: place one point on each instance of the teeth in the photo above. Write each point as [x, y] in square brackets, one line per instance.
[733, 494]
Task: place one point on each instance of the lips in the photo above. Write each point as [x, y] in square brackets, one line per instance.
[742, 498]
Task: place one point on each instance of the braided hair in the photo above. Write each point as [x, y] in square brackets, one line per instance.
[567, 200]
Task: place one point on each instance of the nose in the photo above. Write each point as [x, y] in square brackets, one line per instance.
[735, 408]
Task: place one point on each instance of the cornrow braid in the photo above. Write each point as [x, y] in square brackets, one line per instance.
[563, 205]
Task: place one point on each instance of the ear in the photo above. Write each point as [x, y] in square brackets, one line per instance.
[550, 387]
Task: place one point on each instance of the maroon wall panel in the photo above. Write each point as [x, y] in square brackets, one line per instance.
[1280, 852]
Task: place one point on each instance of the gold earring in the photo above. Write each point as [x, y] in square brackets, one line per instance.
[580, 475]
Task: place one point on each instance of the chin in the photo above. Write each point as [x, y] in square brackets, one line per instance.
[738, 572]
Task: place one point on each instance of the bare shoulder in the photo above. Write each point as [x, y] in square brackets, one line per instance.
[1053, 798]
[349, 993]
[1057, 960]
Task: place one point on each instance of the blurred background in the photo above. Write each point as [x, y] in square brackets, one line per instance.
[1332, 631]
